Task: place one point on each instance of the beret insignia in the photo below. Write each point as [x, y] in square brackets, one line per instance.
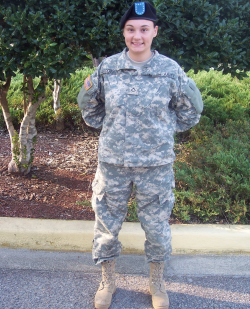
[140, 8]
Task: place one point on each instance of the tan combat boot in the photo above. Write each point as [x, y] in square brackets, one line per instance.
[156, 286]
[107, 287]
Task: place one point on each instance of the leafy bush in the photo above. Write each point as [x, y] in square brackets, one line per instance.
[224, 97]
[45, 114]
[204, 34]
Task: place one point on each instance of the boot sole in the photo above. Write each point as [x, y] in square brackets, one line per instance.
[99, 306]
[161, 307]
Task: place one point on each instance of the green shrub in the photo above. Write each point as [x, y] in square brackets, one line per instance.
[212, 173]
[132, 211]
[224, 97]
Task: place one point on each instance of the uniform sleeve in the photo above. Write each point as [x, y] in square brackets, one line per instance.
[91, 100]
[187, 104]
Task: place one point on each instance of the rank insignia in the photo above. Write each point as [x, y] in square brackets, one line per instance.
[87, 83]
[140, 8]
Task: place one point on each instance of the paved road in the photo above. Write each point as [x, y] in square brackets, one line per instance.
[63, 280]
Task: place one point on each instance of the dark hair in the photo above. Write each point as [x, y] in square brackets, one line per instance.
[154, 22]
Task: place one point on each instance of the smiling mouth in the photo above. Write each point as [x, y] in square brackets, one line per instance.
[137, 44]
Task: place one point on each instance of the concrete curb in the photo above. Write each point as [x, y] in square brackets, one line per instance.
[74, 235]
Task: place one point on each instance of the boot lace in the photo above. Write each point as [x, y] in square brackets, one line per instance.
[157, 274]
[108, 272]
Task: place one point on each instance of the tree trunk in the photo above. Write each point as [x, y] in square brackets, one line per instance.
[6, 113]
[57, 105]
[24, 95]
[97, 61]
[23, 149]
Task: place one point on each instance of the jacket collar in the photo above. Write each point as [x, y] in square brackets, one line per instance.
[150, 68]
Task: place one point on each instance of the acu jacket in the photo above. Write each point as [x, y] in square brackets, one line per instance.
[139, 109]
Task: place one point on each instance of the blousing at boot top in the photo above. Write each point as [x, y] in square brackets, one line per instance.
[140, 99]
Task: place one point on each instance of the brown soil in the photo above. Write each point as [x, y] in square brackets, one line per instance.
[59, 181]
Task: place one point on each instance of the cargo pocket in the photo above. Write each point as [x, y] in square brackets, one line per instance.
[167, 200]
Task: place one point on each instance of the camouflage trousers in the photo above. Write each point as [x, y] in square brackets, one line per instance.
[112, 188]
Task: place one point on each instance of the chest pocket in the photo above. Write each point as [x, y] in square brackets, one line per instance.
[112, 92]
[154, 95]
[117, 87]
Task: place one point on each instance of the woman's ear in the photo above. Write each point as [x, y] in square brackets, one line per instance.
[156, 31]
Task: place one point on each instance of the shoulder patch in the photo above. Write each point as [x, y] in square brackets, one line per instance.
[88, 83]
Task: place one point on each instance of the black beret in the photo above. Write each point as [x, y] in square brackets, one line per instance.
[139, 10]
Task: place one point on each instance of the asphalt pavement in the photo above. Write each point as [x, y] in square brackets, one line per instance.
[61, 280]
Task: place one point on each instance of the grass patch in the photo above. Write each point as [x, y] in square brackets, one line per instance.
[84, 203]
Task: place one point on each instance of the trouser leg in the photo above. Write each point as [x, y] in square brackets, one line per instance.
[111, 191]
[155, 200]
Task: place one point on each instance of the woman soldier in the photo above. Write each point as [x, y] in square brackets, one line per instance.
[140, 99]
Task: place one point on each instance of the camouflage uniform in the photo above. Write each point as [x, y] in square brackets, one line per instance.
[111, 191]
[139, 111]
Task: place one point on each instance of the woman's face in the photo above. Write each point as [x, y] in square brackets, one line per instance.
[139, 34]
